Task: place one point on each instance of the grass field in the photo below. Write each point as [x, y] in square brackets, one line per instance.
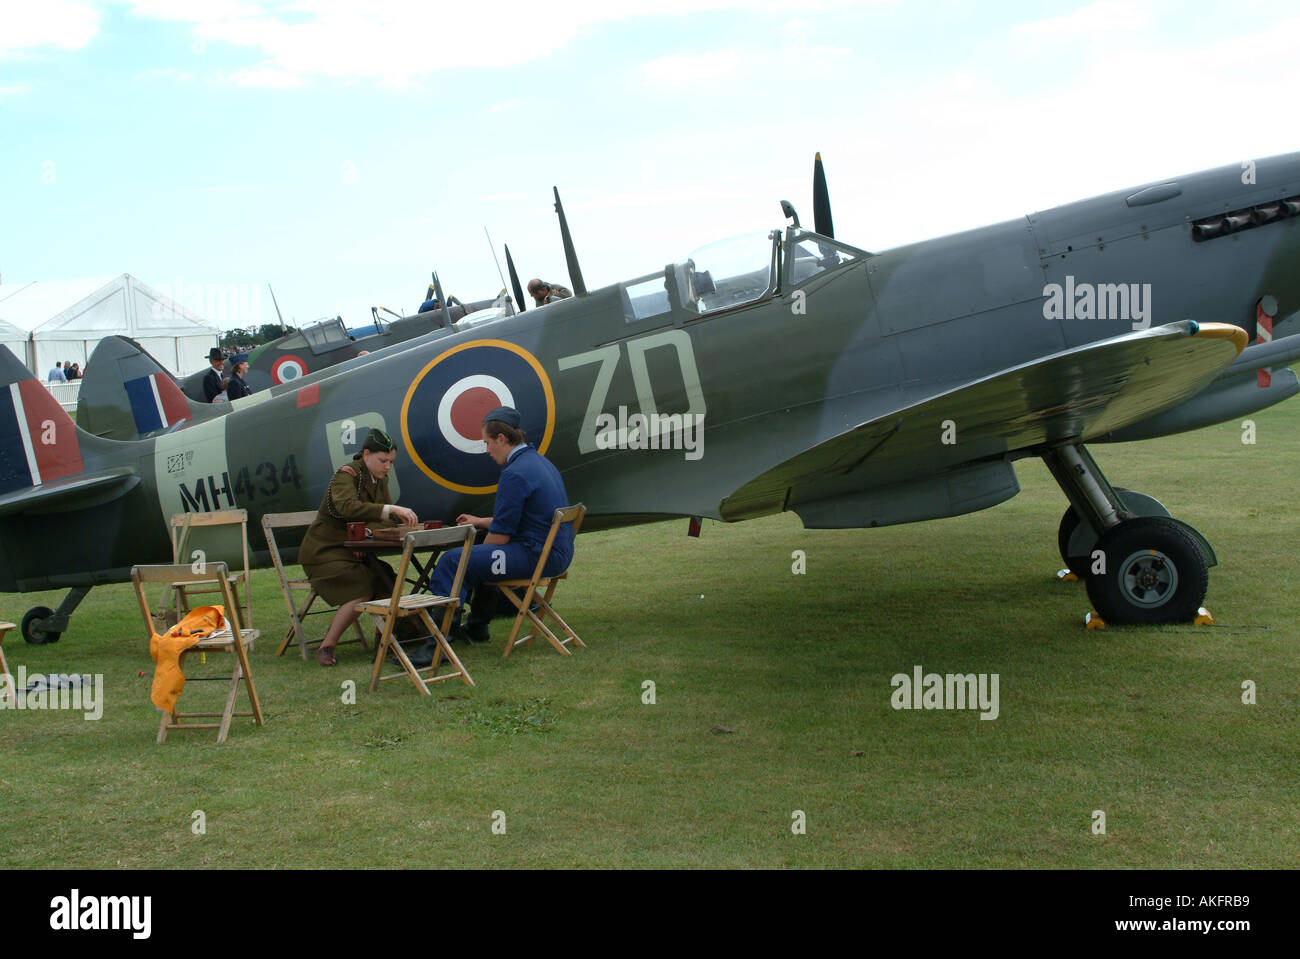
[1145, 724]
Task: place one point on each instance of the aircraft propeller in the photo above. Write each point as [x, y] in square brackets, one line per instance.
[821, 201]
[514, 281]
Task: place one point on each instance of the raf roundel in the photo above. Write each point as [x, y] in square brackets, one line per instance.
[287, 368]
[442, 415]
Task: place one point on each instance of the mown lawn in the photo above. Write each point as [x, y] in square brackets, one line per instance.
[772, 696]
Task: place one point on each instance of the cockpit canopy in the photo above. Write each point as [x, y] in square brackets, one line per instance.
[321, 337]
[735, 271]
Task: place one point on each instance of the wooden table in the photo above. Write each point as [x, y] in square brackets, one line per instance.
[389, 547]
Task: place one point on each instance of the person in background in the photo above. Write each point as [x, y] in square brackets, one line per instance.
[57, 375]
[544, 292]
[237, 389]
[214, 383]
[72, 372]
[345, 578]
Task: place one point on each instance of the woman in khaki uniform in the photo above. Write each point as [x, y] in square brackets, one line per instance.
[344, 577]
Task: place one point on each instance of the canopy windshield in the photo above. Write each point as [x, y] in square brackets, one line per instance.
[729, 272]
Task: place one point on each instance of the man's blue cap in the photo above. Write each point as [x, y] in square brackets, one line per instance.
[239, 358]
[505, 414]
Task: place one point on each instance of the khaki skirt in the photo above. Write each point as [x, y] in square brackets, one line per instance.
[341, 581]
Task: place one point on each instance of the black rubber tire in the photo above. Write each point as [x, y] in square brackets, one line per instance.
[1155, 574]
[33, 626]
[1070, 521]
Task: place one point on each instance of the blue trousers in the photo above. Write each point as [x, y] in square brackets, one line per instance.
[511, 561]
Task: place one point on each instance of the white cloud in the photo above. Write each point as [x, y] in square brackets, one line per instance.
[163, 73]
[14, 90]
[680, 71]
[396, 43]
[265, 76]
[1140, 109]
[27, 28]
[1101, 17]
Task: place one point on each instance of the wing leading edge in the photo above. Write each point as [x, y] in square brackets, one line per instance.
[1072, 396]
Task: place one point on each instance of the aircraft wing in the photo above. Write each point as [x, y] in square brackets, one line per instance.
[1072, 396]
[79, 492]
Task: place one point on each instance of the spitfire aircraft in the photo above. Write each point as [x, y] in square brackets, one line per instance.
[129, 395]
[780, 371]
[323, 344]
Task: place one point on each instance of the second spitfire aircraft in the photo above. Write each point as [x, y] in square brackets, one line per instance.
[786, 371]
[326, 343]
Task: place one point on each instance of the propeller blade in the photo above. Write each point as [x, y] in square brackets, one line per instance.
[821, 201]
[514, 281]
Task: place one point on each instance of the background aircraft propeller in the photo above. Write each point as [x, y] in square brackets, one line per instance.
[821, 201]
[514, 281]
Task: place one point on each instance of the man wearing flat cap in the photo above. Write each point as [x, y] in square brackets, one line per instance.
[529, 492]
[214, 383]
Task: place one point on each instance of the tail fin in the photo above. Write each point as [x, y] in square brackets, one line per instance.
[38, 441]
[47, 465]
[126, 394]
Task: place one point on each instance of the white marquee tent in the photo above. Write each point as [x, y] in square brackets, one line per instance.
[14, 338]
[63, 321]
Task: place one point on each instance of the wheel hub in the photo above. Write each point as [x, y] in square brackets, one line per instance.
[1149, 578]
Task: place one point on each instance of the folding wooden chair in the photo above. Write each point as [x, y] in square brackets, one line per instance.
[531, 591]
[270, 523]
[4, 667]
[418, 604]
[233, 639]
[182, 527]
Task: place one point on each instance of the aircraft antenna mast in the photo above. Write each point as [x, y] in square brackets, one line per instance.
[278, 316]
[494, 257]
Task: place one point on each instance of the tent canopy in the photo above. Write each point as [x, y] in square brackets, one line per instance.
[14, 338]
[63, 321]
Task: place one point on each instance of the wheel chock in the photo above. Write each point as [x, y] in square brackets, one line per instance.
[1093, 621]
[1065, 576]
[1203, 618]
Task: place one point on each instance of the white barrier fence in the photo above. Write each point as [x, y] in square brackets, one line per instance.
[66, 394]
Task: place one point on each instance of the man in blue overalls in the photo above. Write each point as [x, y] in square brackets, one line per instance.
[529, 492]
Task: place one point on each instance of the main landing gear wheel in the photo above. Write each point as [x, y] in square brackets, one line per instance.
[1138, 503]
[1155, 573]
[34, 630]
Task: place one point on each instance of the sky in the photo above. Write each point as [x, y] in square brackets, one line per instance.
[339, 151]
